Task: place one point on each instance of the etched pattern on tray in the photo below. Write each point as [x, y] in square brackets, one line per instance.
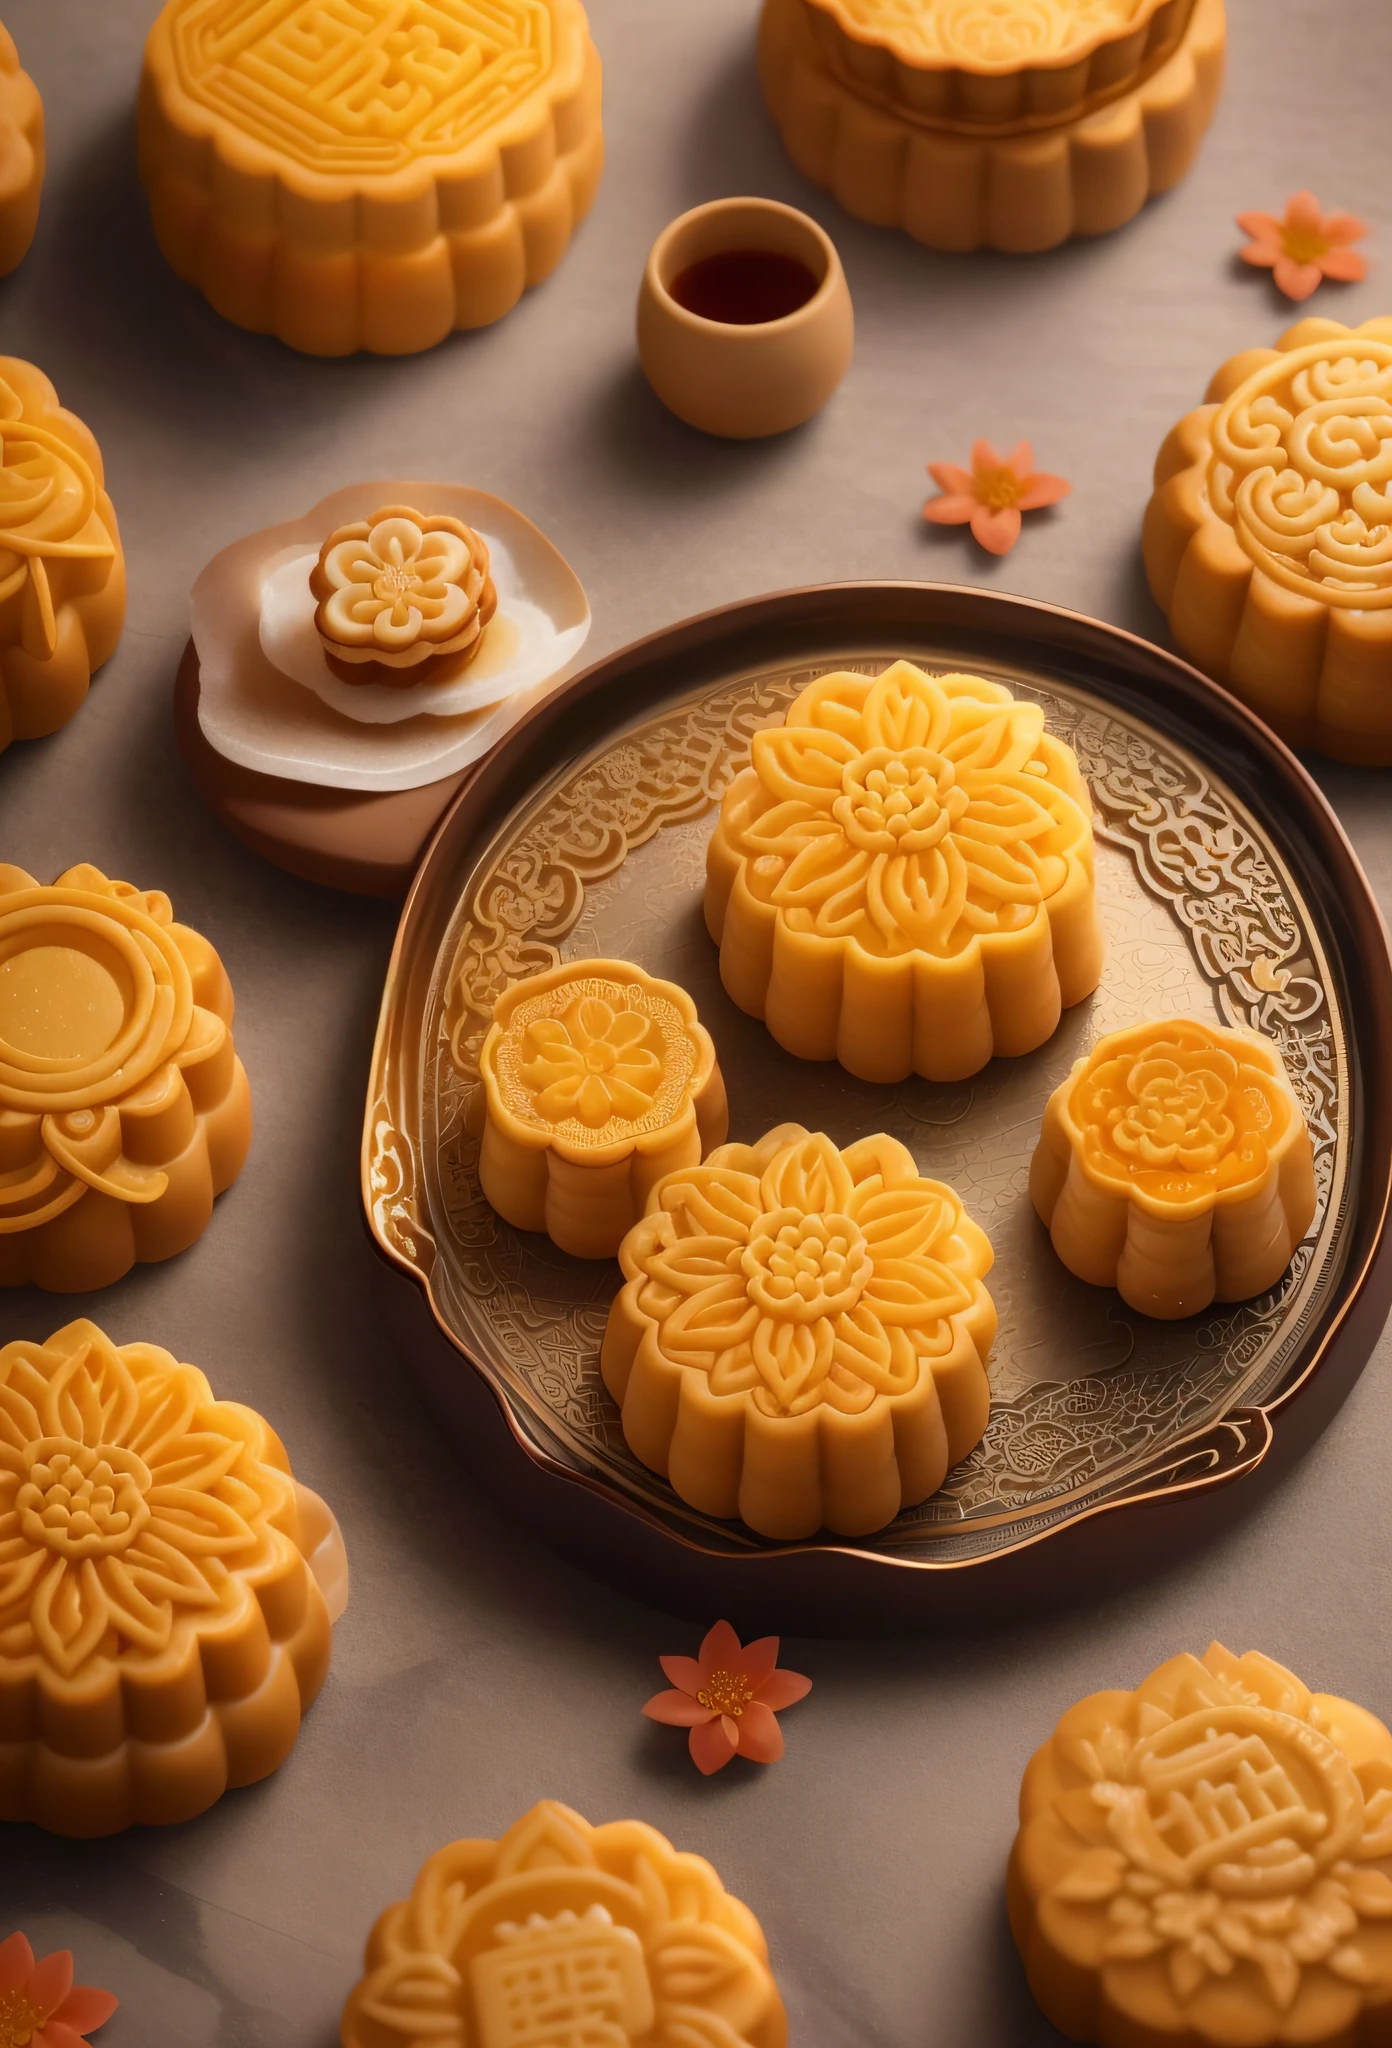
[1192, 897]
[363, 87]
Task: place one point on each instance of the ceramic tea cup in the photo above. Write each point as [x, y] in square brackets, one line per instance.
[744, 375]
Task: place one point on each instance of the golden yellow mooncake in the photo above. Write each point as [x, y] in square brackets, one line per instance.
[902, 879]
[802, 1335]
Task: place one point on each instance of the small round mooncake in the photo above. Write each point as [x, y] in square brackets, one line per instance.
[1207, 1861]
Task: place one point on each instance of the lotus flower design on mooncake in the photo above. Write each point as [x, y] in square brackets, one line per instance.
[124, 1109]
[161, 1629]
[1175, 1164]
[1208, 1860]
[403, 597]
[1268, 541]
[803, 1335]
[903, 878]
[597, 1080]
[563, 1935]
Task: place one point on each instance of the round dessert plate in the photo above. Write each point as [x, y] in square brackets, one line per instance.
[1228, 892]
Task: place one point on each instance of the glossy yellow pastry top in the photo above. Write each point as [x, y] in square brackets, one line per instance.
[123, 1106]
[597, 1079]
[563, 1935]
[62, 574]
[160, 1629]
[1268, 540]
[803, 1336]
[401, 594]
[903, 877]
[993, 35]
[1208, 1861]
[1175, 1164]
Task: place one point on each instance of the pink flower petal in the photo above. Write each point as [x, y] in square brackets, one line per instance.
[1043, 490]
[1296, 280]
[683, 1671]
[85, 2009]
[760, 1737]
[678, 1710]
[783, 1689]
[948, 477]
[711, 1748]
[758, 1659]
[1343, 227]
[1021, 459]
[1345, 266]
[950, 511]
[1304, 212]
[984, 456]
[16, 1963]
[997, 532]
[51, 1981]
[720, 1651]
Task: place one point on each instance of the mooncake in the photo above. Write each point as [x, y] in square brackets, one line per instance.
[1207, 1861]
[1268, 541]
[162, 1628]
[123, 1106]
[598, 1079]
[21, 155]
[1175, 1164]
[802, 1336]
[562, 1933]
[403, 597]
[368, 176]
[62, 572]
[1006, 124]
[902, 879]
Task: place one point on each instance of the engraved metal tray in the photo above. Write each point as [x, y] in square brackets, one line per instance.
[1227, 890]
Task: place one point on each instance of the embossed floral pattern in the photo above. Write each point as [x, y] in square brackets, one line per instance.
[993, 34]
[48, 514]
[1216, 1849]
[119, 1084]
[1179, 1112]
[593, 1068]
[400, 589]
[791, 1280]
[566, 1933]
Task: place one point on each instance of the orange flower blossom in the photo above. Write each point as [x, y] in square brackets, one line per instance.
[991, 495]
[40, 2006]
[1304, 248]
[728, 1697]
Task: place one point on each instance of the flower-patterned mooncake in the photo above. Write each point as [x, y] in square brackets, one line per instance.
[124, 1109]
[1268, 541]
[803, 1336]
[903, 878]
[1208, 1861]
[597, 1080]
[563, 1933]
[162, 1628]
[1175, 1164]
[403, 597]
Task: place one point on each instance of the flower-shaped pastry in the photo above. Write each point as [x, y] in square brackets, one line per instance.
[1175, 1165]
[161, 1631]
[803, 1336]
[21, 156]
[1304, 247]
[903, 879]
[1208, 1860]
[991, 495]
[403, 597]
[729, 1697]
[560, 1934]
[1268, 541]
[40, 2004]
[597, 1080]
[123, 1106]
[62, 573]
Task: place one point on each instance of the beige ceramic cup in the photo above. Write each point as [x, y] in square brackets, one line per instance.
[737, 381]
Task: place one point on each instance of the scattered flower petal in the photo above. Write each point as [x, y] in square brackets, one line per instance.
[40, 2006]
[991, 495]
[729, 1697]
[1305, 247]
